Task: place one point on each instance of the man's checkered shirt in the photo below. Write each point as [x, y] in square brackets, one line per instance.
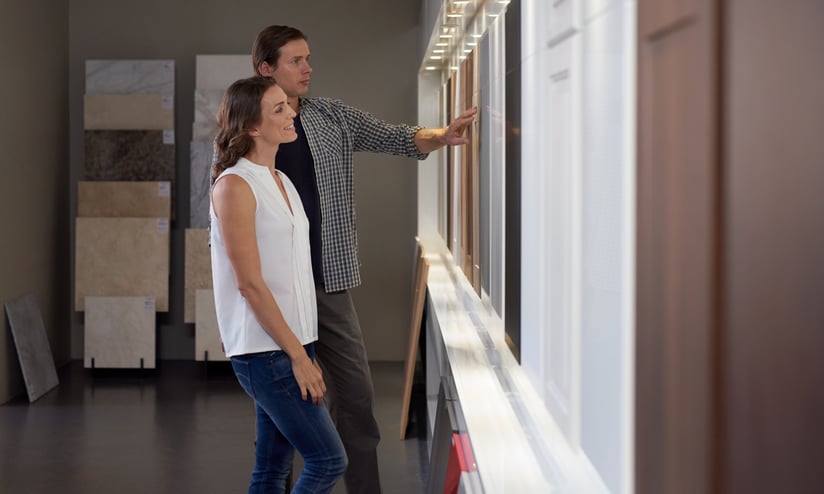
[335, 131]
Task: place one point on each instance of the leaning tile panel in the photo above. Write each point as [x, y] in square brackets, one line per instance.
[124, 257]
[207, 335]
[218, 72]
[32, 344]
[198, 268]
[116, 155]
[124, 199]
[119, 332]
[202, 154]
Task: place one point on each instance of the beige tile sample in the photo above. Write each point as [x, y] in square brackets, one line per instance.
[122, 257]
[124, 199]
[207, 334]
[128, 112]
[198, 268]
[119, 332]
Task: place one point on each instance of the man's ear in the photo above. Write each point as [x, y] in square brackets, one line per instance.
[266, 70]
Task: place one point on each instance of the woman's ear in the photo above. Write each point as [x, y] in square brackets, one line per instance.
[254, 132]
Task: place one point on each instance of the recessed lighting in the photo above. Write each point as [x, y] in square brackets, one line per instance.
[461, 2]
[435, 57]
[441, 44]
[430, 67]
[454, 15]
[467, 51]
[477, 35]
[438, 51]
[472, 43]
[445, 36]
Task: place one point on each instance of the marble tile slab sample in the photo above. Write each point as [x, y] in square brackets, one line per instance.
[218, 72]
[201, 155]
[207, 103]
[124, 199]
[130, 77]
[116, 155]
[118, 332]
[198, 268]
[122, 257]
[128, 112]
[207, 334]
[32, 344]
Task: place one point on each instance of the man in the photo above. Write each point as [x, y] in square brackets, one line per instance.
[319, 163]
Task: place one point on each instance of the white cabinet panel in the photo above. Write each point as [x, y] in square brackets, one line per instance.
[563, 218]
[564, 19]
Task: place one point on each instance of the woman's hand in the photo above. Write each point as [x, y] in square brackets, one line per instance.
[309, 378]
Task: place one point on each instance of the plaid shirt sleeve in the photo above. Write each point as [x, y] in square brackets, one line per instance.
[334, 132]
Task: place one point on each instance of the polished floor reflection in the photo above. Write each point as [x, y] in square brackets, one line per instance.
[182, 427]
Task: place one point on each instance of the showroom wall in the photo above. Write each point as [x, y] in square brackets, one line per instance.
[369, 61]
[33, 191]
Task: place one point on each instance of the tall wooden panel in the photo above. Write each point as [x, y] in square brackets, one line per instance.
[677, 251]
[773, 367]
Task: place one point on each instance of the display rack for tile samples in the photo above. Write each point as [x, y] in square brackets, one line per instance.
[213, 75]
[124, 209]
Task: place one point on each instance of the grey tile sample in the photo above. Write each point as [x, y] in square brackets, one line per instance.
[122, 257]
[201, 153]
[116, 155]
[220, 71]
[119, 332]
[124, 199]
[128, 112]
[207, 335]
[33, 350]
[130, 77]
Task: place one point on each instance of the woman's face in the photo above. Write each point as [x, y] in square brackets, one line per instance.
[277, 119]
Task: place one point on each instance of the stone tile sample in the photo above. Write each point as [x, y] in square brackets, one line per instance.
[124, 199]
[201, 155]
[220, 71]
[118, 332]
[33, 350]
[207, 104]
[128, 112]
[116, 155]
[198, 268]
[130, 77]
[207, 335]
[122, 257]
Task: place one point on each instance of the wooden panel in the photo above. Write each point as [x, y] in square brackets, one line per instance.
[773, 366]
[677, 253]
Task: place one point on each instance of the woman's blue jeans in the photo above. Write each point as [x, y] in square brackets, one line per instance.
[286, 423]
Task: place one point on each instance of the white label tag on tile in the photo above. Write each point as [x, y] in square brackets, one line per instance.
[163, 225]
[164, 189]
[167, 102]
[168, 136]
[149, 304]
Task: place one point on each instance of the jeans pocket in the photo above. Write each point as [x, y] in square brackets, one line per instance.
[243, 372]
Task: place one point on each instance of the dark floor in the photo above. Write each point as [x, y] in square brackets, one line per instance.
[176, 429]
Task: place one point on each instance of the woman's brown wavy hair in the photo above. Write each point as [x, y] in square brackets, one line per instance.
[239, 113]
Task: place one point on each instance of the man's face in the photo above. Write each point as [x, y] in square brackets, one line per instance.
[293, 71]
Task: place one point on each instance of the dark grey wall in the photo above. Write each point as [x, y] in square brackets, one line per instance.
[34, 183]
[363, 52]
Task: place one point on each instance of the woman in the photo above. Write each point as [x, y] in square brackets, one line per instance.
[265, 293]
